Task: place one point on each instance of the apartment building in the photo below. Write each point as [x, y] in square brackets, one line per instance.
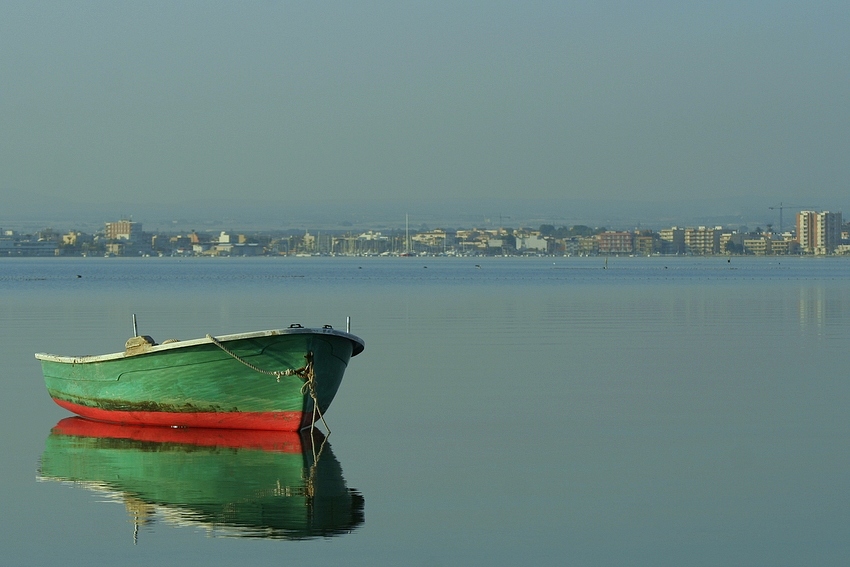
[614, 242]
[647, 244]
[531, 243]
[784, 247]
[818, 232]
[124, 230]
[761, 246]
[702, 240]
[672, 240]
[434, 239]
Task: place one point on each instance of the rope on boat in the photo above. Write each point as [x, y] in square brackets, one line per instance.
[306, 373]
[309, 387]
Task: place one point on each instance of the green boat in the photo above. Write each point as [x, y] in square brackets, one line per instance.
[282, 379]
[230, 483]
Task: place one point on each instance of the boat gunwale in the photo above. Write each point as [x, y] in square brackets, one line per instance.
[358, 344]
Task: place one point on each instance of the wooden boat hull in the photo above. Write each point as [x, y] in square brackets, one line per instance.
[242, 381]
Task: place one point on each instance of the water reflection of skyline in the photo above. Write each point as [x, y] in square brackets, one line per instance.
[820, 309]
[256, 484]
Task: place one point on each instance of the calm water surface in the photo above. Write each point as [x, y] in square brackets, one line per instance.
[657, 411]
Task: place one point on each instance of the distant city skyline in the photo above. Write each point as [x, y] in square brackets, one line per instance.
[817, 233]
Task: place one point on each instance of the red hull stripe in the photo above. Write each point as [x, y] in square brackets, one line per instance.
[273, 441]
[267, 420]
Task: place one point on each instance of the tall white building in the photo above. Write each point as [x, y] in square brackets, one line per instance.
[818, 232]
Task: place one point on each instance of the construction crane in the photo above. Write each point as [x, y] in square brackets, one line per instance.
[788, 206]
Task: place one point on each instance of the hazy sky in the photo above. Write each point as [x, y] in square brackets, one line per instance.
[441, 100]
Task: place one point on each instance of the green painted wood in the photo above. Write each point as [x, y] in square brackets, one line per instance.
[204, 378]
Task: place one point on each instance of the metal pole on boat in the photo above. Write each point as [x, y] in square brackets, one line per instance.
[348, 324]
[135, 328]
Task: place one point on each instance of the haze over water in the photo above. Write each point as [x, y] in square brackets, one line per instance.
[607, 113]
[660, 411]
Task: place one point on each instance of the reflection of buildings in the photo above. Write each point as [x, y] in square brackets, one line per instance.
[811, 307]
[820, 310]
[818, 233]
[261, 484]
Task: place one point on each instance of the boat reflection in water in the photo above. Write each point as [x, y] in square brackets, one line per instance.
[239, 483]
